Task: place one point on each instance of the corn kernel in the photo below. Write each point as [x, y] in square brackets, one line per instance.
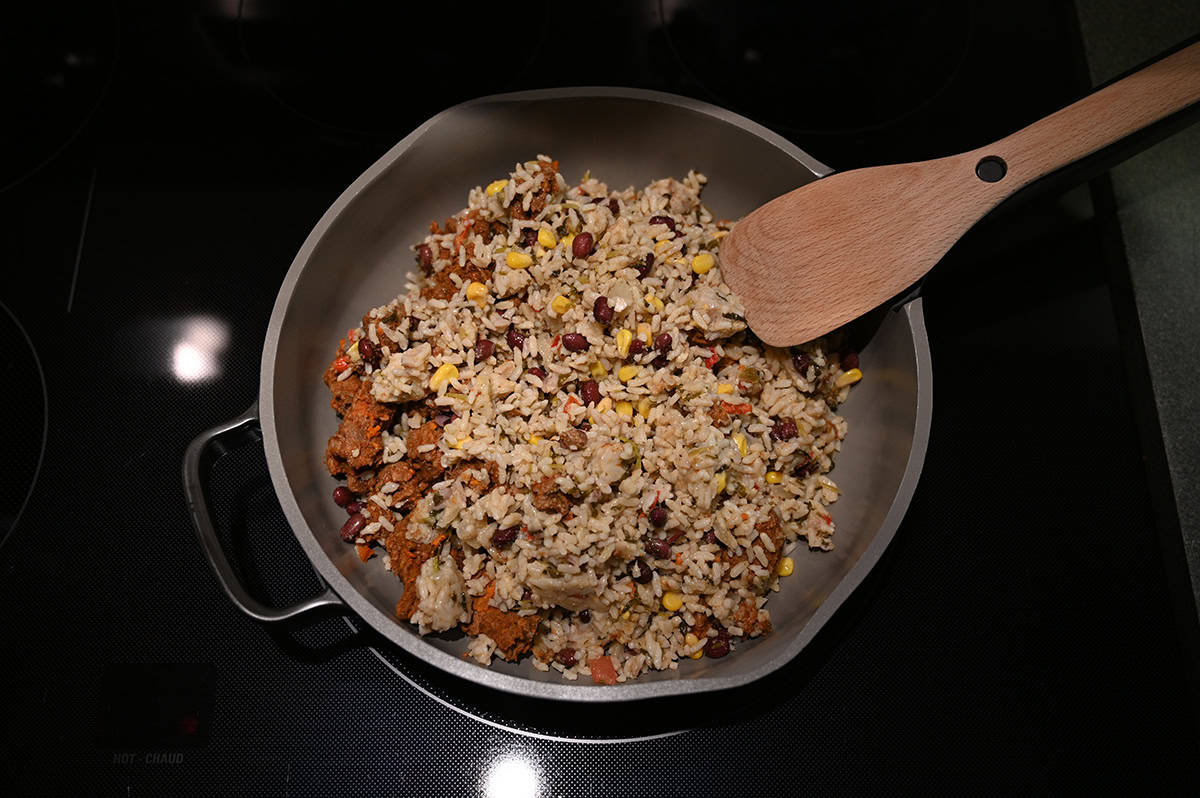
[703, 263]
[849, 378]
[721, 480]
[461, 442]
[547, 238]
[568, 241]
[774, 477]
[534, 440]
[477, 292]
[724, 387]
[740, 440]
[786, 566]
[625, 615]
[644, 332]
[717, 236]
[560, 304]
[445, 373]
[598, 370]
[662, 246]
[690, 640]
[672, 601]
[654, 302]
[495, 187]
[604, 404]
[518, 260]
[624, 339]
[627, 373]
[643, 407]
[624, 409]
[353, 352]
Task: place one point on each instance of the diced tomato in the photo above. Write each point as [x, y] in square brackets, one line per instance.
[736, 410]
[365, 552]
[712, 359]
[554, 343]
[342, 363]
[603, 671]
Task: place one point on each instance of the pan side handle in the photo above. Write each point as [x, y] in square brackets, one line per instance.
[197, 463]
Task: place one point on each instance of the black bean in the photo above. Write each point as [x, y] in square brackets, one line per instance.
[514, 338]
[643, 268]
[574, 342]
[850, 360]
[583, 245]
[355, 507]
[667, 220]
[801, 361]
[540, 373]
[602, 310]
[613, 205]
[424, 256]
[637, 346]
[585, 616]
[565, 657]
[784, 430]
[342, 495]
[658, 548]
[589, 392]
[663, 343]
[710, 537]
[658, 515]
[354, 524]
[529, 237]
[503, 538]
[717, 647]
[659, 362]
[368, 351]
[483, 349]
[644, 572]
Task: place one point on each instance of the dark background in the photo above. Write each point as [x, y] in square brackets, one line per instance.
[161, 164]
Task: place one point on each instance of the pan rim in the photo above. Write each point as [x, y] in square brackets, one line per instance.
[572, 691]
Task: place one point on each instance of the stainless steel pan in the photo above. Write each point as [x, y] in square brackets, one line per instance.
[358, 256]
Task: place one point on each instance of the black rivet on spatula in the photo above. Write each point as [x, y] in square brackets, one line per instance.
[991, 169]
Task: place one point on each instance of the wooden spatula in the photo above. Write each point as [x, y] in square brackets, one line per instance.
[817, 257]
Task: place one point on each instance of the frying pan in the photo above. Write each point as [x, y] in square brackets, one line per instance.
[358, 256]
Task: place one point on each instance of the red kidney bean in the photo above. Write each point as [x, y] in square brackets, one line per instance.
[503, 538]
[355, 507]
[643, 268]
[574, 342]
[565, 657]
[667, 220]
[590, 392]
[801, 361]
[658, 548]
[529, 237]
[342, 495]
[784, 430]
[583, 245]
[710, 537]
[602, 310]
[718, 646]
[514, 339]
[483, 349]
[369, 352]
[659, 362]
[850, 360]
[424, 256]
[354, 524]
[585, 615]
[663, 343]
[645, 572]
[613, 206]
[658, 515]
[540, 373]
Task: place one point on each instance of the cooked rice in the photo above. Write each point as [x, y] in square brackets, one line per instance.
[655, 439]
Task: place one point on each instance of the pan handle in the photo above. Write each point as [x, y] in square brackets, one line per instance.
[201, 453]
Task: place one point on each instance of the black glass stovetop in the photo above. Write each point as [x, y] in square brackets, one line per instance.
[163, 166]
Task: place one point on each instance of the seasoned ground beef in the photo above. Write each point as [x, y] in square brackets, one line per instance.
[548, 498]
[512, 633]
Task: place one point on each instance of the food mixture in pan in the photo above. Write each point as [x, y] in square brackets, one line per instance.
[565, 441]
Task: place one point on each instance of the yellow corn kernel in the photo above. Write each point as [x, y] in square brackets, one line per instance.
[445, 373]
[643, 407]
[625, 615]
[624, 339]
[724, 387]
[627, 373]
[477, 292]
[534, 440]
[461, 442]
[644, 332]
[740, 440]
[567, 242]
[703, 263]
[774, 477]
[662, 246]
[721, 480]
[604, 404]
[654, 302]
[624, 409]
[849, 378]
[717, 236]
[786, 566]
[547, 238]
[598, 370]
[560, 304]
[690, 640]
[672, 601]
[495, 187]
[353, 352]
[518, 260]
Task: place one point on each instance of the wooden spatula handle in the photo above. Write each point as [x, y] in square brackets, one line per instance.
[1097, 121]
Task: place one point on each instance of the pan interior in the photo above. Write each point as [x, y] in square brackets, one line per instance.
[360, 256]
